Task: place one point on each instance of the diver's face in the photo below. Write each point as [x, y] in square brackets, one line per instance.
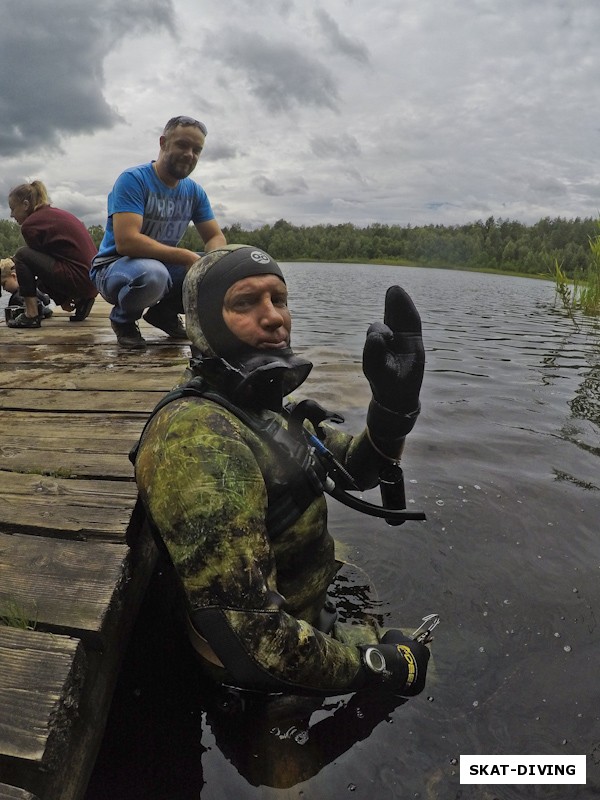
[255, 311]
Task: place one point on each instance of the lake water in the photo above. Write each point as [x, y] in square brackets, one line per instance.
[504, 461]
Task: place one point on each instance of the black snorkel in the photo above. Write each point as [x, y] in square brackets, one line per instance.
[393, 508]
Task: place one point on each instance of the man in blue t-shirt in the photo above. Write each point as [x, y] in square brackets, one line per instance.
[139, 265]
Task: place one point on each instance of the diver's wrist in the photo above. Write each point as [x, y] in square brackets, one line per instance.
[397, 446]
[387, 425]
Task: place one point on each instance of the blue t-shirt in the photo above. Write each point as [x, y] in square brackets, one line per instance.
[167, 212]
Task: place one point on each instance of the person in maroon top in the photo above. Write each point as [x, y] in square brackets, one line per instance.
[57, 256]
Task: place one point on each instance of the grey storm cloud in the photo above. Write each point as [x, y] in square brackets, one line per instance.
[269, 187]
[335, 146]
[412, 112]
[219, 151]
[52, 79]
[280, 74]
[339, 42]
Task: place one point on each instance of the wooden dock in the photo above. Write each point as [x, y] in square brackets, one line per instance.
[72, 404]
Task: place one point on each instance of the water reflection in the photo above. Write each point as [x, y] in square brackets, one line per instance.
[504, 460]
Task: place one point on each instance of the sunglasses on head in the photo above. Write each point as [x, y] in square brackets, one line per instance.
[182, 120]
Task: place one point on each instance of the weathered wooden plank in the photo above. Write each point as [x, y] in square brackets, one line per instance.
[62, 350]
[108, 429]
[98, 318]
[68, 400]
[80, 493]
[83, 433]
[69, 782]
[91, 445]
[69, 463]
[69, 449]
[81, 377]
[61, 586]
[66, 778]
[95, 350]
[41, 676]
[40, 339]
[65, 507]
[14, 793]
[73, 444]
[58, 329]
[73, 403]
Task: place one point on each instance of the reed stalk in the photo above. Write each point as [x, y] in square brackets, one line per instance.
[583, 292]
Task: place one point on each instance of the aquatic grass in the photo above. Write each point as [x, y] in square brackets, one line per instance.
[589, 294]
[14, 615]
[582, 293]
[565, 290]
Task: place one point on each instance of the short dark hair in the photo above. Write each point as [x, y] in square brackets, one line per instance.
[184, 121]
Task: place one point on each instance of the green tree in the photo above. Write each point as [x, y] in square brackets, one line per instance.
[10, 238]
[500, 244]
[96, 232]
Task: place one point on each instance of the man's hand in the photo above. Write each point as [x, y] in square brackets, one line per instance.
[397, 662]
[393, 363]
[188, 257]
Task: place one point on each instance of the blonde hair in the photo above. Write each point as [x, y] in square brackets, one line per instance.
[7, 267]
[35, 193]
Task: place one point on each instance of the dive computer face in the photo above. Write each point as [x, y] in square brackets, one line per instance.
[374, 660]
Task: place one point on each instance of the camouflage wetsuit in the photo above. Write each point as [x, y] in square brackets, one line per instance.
[202, 478]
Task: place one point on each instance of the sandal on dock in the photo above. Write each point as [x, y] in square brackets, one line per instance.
[23, 321]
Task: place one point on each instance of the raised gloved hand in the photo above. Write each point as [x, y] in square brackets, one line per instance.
[393, 363]
[398, 661]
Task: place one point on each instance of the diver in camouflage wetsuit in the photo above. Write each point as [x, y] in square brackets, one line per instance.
[206, 478]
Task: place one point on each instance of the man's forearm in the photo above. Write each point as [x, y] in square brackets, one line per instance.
[142, 246]
[215, 242]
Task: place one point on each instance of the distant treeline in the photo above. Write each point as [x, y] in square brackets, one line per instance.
[500, 244]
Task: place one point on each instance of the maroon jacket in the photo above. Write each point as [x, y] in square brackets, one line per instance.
[64, 237]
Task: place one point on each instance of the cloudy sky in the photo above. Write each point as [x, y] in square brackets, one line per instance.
[318, 111]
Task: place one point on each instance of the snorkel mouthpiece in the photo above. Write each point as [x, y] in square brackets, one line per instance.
[260, 382]
[267, 379]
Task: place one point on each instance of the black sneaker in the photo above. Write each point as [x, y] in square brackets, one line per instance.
[128, 335]
[82, 310]
[171, 325]
[23, 321]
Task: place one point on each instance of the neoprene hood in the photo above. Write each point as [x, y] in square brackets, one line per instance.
[263, 376]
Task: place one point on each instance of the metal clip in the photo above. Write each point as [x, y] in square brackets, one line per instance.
[423, 632]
